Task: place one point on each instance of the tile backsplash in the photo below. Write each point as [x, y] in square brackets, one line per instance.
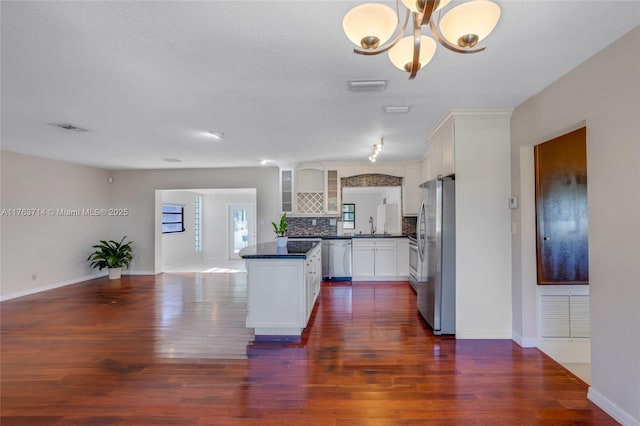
[303, 226]
[409, 226]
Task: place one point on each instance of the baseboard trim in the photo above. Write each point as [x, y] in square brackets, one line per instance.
[141, 273]
[525, 342]
[51, 286]
[611, 409]
[379, 279]
[483, 334]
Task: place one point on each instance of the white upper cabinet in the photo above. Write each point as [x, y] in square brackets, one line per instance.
[286, 190]
[310, 191]
[332, 192]
[440, 160]
[410, 190]
[446, 142]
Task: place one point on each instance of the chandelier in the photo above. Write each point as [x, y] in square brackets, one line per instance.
[377, 148]
[375, 28]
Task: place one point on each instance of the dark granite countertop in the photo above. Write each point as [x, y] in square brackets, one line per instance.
[294, 250]
[348, 237]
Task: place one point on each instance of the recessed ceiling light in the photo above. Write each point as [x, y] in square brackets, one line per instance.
[367, 85]
[172, 160]
[396, 109]
[69, 126]
[216, 135]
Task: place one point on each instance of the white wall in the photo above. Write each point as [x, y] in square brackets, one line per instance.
[367, 200]
[178, 248]
[483, 240]
[54, 247]
[215, 229]
[366, 205]
[604, 93]
[136, 190]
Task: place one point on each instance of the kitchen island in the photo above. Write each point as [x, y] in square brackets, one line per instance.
[282, 287]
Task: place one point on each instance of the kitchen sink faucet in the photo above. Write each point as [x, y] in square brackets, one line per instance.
[373, 230]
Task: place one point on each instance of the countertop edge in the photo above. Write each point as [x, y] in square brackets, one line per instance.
[269, 250]
[347, 237]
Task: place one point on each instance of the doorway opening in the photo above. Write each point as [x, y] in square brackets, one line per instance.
[241, 228]
[218, 223]
[556, 317]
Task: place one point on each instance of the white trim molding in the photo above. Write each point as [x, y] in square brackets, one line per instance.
[51, 286]
[611, 409]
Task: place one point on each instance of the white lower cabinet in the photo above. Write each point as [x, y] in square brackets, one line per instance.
[403, 257]
[363, 259]
[376, 259]
[282, 292]
[313, 277]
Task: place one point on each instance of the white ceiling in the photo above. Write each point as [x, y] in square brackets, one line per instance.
[147, 78]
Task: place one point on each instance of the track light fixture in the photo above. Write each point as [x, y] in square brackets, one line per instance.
[375, 28]
[377, 149]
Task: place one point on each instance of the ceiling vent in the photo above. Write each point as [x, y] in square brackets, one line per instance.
[367, 85]
[70, 127]
[396, 109]
[172, 160]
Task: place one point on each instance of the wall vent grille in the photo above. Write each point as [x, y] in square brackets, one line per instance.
[564, 316]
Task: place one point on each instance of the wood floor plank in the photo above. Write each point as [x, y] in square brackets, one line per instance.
[173, 350]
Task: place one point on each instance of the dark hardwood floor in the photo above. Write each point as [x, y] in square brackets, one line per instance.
[173, 350]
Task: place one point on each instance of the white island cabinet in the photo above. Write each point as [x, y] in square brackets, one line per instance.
[282, 287]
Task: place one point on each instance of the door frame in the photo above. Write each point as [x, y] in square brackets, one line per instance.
[251, 233]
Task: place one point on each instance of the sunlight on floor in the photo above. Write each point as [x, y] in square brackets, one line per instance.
[212, 267]
[582, 370]
[221, 271]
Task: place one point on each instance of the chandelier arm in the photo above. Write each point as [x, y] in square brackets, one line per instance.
[427, 13]
[444, 42]
[388, 45]
[415, 63]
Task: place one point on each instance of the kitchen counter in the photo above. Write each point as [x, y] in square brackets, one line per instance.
[347, 237]
[294, 250]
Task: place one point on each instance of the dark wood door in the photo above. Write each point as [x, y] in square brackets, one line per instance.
[561, 209]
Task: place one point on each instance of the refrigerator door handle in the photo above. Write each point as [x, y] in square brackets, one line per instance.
[421, 242]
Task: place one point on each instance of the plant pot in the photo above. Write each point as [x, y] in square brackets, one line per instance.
[281, 241]
[115, 273]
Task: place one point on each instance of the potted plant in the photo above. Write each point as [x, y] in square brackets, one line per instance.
[112, 255]
[281, 230]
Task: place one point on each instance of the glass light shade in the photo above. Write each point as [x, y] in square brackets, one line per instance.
[477, 17]
[369, 20]
[413, 4]
[402, 53]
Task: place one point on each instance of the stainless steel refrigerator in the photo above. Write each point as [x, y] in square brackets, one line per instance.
[436, 235]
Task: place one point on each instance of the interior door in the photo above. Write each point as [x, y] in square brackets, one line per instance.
[241, 228]
[561, 210]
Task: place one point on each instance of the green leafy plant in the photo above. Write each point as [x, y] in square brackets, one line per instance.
[111, 254]
[281, 228]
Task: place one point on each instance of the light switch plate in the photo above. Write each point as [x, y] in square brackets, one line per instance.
[513, 202]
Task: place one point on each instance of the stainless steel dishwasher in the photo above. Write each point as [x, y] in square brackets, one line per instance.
[336, 259]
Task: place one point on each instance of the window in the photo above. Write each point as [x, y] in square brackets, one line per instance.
[196, 224]
[172, 218]
[348, 216]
